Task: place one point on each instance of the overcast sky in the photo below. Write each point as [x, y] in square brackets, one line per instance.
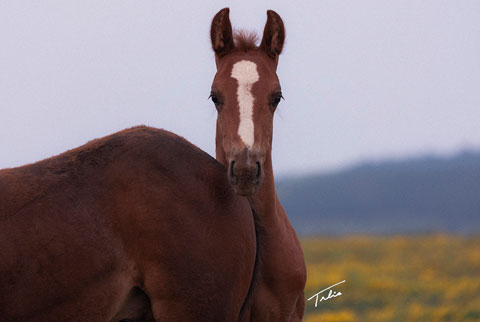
[362, 79]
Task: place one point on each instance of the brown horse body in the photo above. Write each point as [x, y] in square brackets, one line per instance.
[140, 221]
[143, 226]
[246, 92]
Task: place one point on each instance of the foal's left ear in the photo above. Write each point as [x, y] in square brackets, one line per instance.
[273, 35]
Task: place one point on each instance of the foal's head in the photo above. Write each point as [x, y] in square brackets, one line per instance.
[246, 92]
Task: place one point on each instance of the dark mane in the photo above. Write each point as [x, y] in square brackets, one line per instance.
[245, 40]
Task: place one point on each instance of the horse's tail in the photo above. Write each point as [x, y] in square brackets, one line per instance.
[246, 310]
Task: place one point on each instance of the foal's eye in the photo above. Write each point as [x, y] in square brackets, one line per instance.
[276, 100]
[215, 99]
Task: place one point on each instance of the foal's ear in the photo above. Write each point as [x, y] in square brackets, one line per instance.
[273, 35]
[221, 33]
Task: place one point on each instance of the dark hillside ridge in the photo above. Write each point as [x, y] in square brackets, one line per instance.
[428, 194]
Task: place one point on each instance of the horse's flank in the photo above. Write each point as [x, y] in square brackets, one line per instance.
[142, 209]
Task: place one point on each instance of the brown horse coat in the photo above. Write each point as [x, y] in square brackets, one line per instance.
[246, 91]
[141, 211]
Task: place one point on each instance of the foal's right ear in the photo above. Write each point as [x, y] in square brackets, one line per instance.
[221, 33]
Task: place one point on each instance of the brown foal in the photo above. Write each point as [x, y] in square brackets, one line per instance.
[135, 223]
[246, 92]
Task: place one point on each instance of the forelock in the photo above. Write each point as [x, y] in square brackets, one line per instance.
[245, 40]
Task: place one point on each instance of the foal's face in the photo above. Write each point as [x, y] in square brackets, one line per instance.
[246, 92]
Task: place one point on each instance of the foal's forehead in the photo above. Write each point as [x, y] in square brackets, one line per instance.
[246, 66]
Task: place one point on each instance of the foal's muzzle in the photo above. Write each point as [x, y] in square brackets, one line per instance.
[245, 172]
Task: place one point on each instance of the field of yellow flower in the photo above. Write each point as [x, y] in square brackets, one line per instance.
[399, 278]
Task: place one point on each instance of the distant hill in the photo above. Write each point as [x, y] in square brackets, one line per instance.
[418, 195]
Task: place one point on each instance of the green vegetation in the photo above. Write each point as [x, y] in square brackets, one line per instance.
[399, 278]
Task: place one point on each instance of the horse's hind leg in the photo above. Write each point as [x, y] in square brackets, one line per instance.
[137, 308]
[172, 311]
[173, 307]
[189, 308]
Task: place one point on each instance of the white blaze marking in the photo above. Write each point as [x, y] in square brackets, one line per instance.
[245, 72]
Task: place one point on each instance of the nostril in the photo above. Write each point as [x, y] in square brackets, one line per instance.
[232, 172]
[259, 169]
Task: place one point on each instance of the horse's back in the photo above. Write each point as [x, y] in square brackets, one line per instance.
[141, 207]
